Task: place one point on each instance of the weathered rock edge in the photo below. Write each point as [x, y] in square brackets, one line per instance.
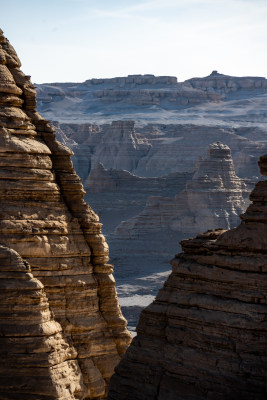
[44, 218]
[205, 335]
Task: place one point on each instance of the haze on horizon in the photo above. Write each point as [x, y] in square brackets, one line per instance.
[75, 40]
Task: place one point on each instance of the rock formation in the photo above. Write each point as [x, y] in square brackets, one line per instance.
[83, 140]
[44, 218]
[36, 361]
[135, 80]
[117, 95]
[227, 85]
[215, 100]
[120, 148]
[156, 150]
[119, 194]
[214, 197]
[204, 337]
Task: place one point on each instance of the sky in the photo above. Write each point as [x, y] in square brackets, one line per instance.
[76, 40]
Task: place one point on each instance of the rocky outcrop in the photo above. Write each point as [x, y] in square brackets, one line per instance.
[119, 194]
[135, 80]
[215, 100]
[83, 140]
[117, 95]
[36, 361]
[44, 218]
[120, 148]
[226, 84]
[157, 149]
[214, 197]
[107, 180]
[204, 337]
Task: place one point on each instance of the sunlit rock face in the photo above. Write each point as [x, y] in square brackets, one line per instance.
[204, 337]
[36, 361]
[44, 218]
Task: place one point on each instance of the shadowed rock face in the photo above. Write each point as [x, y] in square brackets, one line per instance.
[214, 197]
[204, 337]
[44, 218]
[120, 148]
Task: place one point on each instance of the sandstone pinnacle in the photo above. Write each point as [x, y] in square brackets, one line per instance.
[44, 218]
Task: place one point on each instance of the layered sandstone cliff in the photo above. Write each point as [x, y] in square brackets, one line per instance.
[204, 337]
[44, 218]
[35, 359]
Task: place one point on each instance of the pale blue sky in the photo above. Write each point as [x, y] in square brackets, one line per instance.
[75, 40]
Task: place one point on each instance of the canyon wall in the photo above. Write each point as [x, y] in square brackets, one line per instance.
[204, 337]
[157, 149]
[153, 99]
[174, 123]
[44, 218]
[214, 197]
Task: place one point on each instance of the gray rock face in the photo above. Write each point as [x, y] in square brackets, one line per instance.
[119, 194]
[214, 197]
[120, 148]
[135, 80]
[227, 85]
[158, 150]
[83, 140]
[214, 100]
[117, 95]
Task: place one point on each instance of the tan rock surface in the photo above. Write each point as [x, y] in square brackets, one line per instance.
[44, 218]
[36, 361]
[205, 335]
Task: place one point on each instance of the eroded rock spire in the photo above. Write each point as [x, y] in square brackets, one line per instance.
[44, 218]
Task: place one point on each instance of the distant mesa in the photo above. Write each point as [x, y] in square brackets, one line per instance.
[135, 79]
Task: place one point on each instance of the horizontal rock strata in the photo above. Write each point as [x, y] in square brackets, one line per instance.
[120, 148]
[155, 150]
[36, 361]
[44, 218]
[205, 335]
[214, 197]
[226, 84]
[119, 194]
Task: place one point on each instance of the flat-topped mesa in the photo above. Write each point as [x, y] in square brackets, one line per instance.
[44, 218]
[205, 335]
[147, 79]
[227, 83]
